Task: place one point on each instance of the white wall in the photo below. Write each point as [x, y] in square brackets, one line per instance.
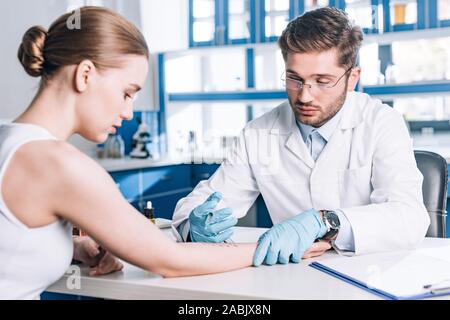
[16, 87]
[164, 24]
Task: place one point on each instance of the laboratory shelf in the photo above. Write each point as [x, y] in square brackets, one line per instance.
[413, 88]
[227, 96]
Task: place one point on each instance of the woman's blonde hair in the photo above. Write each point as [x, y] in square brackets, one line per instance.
[103, 37]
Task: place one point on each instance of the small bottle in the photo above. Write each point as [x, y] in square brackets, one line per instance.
[380, 79]
[119, 147]
[149, 212]
[100, 151]
[391, 73]
[192, 144]
[109, 146]
[78, 232]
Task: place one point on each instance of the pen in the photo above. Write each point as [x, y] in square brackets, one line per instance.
[438, 287]
[208, 218]
[441, 289]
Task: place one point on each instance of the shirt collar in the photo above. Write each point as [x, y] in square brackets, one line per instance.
[326, 130]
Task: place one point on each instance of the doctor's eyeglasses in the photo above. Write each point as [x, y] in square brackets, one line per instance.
[314, 88]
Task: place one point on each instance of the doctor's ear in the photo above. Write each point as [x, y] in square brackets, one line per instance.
[84, 73]
[353, 78]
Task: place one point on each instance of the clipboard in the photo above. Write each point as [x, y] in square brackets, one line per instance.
[428, 267]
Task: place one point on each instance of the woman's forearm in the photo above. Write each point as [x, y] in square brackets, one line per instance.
[205, 258]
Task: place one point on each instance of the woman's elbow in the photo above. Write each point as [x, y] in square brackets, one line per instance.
[172, 273]
[164, 271]
[170, 266]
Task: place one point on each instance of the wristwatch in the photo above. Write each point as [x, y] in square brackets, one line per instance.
[331, 220]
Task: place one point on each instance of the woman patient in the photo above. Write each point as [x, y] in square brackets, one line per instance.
[89, 77]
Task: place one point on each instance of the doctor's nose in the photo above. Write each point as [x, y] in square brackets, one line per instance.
[304, 95]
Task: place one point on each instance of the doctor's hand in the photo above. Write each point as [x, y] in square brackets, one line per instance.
[209, 225]
[288, 240]
[91, 253]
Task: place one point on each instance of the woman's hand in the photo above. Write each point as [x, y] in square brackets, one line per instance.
[317, 249]
[89, 252]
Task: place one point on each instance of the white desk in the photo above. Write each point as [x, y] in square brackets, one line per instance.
[291, 281]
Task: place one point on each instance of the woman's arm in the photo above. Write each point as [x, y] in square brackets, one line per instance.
[88, 197]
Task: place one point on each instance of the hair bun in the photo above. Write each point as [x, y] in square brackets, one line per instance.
[31, 51]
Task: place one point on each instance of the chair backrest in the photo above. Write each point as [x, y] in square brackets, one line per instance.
[434, 189]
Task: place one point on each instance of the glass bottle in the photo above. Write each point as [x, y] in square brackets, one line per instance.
[119, 147]
[109, 146]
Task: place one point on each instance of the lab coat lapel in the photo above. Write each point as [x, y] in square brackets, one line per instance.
[297, 146]
[337, 149]
[294, 142]
[286, 126]
[333, 149]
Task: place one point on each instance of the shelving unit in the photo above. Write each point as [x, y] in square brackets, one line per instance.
[385, 22]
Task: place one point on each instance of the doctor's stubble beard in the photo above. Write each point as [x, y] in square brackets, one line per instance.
[325, 114]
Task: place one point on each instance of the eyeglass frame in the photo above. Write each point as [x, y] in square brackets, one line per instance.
[319, 85]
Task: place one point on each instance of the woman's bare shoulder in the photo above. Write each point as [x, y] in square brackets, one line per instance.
[43, 173]
[50, 157]
[38, 174]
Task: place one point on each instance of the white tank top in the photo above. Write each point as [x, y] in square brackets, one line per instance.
[31, 259]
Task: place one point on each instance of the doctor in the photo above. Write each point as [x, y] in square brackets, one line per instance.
[330, 163]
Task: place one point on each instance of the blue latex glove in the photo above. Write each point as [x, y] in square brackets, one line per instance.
[288, 240]
[209, 225]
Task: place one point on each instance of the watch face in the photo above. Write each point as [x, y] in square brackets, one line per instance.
[333, 219]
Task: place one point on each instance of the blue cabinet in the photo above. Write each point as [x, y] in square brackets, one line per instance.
[202, 172]
[61, 296]
[165, 179]
[263, 219]
[138, 205]
[164, 186]
[165, 204]
[128, 183]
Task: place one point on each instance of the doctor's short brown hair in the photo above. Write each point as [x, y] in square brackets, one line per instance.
[321, 30]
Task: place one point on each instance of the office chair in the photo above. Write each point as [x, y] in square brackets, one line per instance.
[434, 189]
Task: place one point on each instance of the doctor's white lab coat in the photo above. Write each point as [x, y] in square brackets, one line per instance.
[367, 171]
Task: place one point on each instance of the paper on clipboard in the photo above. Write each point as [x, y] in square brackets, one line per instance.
[402, 274]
